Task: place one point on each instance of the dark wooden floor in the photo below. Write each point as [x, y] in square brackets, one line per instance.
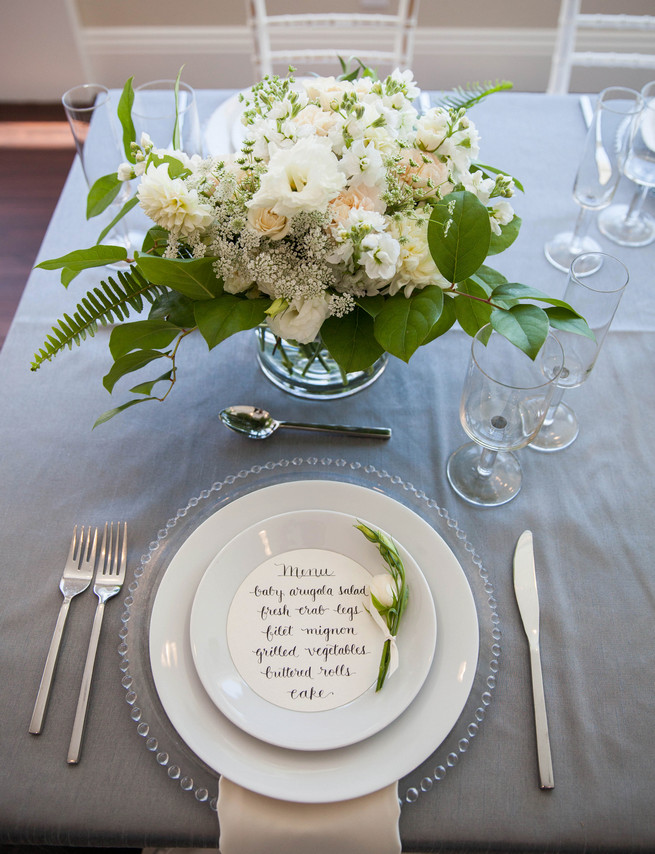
[36, 152]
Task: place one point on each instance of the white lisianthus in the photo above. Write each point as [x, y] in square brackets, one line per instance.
[302, 178]
[379, 255]
[171, 203]
[302, 320]
[382, 587]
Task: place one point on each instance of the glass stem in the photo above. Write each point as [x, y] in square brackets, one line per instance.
[636, 205]
[554, 403]
[580, 231]
[486, 462]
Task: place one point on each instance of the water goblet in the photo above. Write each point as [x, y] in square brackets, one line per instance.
[629, 225]
[154, 111]
[596, 298]
[598, 173]
[504, 400]
[91, 119]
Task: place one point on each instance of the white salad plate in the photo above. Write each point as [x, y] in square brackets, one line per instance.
[218, 619]
[325, 775]
[225, 133]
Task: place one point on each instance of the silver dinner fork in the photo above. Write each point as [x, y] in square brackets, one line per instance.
[77, 576]
[108, 581]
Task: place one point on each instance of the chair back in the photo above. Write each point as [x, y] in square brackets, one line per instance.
[566, 54]
[382, 41]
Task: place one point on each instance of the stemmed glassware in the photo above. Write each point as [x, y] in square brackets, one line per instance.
[90, 116]
[629, 225]
[504, 401]
[598, 173]
[154, 111]
[596, 297]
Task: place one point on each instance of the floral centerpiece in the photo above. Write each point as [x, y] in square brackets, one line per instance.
[347, 222]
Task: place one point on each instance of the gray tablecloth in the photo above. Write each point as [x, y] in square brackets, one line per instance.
[590, 508]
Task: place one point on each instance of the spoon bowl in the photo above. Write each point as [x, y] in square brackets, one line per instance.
[257, 423]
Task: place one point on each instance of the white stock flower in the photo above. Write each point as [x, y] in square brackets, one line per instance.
[431, 128]
[379, 256]
[363, 163]
[302, 178]
[502, 213]
[125, 172]
[302, 320]
[171, 204]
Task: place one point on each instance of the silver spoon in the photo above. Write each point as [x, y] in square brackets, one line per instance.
[258, 424]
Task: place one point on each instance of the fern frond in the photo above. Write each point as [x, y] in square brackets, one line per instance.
[470, 95]
[110, 302]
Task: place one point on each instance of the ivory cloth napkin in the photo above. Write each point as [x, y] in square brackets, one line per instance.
[253, 824]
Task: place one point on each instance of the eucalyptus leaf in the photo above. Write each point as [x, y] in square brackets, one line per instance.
[111, 412]
[195, 278]
[151, 334]
[219, 318]
[404, 322]
[526, 326]
[458, 235]
[507, 236]
[351, 341]
[125, 117]
[102, 194]
[129, 363]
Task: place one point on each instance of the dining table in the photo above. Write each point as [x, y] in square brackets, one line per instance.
[467, 774]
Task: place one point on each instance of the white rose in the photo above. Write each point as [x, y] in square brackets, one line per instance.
[304, 177]
[383, 589]
[268, 223]
[171, 204]
[301, 321]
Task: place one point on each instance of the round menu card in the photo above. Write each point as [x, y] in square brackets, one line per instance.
[283, 641]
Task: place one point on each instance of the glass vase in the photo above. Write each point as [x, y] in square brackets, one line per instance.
[308, 370]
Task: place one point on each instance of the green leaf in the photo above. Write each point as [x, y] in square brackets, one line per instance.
[102, 194]
[569, 320]
[405, 322]
[176, 169]
[127, 207]
[82, 259]
[351, 341]
[125, 116]
[526, 326]
[473, 93]
[129, 363]
[195, 278]
[67, 276]
[175, 308]
[446, 320]
[111, 412]
[147, 387]
[141, 335]
[516, 290]
[485, 169]
[472, 314]
[458, 235]
[507, 236]
[372, 305]
[219, 318]
[488, 279]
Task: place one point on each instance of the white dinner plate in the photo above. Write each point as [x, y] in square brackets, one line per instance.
[225, 133]
[223, 659]
[327, 775]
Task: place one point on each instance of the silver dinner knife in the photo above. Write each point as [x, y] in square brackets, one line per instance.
[525, 588]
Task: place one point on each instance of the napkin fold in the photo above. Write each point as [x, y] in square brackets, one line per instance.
[251, 824]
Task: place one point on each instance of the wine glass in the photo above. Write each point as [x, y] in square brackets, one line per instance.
[598, 173]
[91, 119]
[596, 299]
[154, 112]
[505, 398]
[629, 225]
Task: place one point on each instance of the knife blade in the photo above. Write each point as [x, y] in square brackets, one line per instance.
[527, 597]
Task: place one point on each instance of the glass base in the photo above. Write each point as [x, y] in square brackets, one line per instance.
[559, 434]
[640, 231]
[308, 370]
[560, 254]
[485, 490]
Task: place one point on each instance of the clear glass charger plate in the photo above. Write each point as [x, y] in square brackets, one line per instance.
[168, 749]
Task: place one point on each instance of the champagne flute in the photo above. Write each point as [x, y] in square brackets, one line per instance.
[596, 299]
[629, 225]
[505, 398]
[598, 174]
